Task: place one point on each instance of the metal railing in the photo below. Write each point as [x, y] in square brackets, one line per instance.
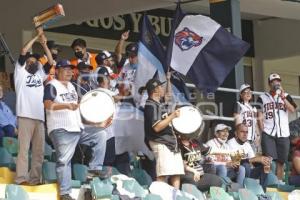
[222, 89]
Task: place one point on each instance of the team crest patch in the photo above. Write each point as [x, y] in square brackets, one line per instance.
[187, 39]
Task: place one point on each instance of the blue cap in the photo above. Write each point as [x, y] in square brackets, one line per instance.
[83, 65]
[103, 71]
[64, 63]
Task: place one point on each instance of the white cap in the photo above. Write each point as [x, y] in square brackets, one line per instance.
[107, 53]
[274, 76]
[221, 127]
[244, 86]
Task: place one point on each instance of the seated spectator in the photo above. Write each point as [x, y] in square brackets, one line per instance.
[8, 121]
[294, 178]
[257, 167]
[224, 165]
[196, 172]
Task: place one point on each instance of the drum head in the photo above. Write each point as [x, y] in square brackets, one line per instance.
[189, 121]
[97, 106]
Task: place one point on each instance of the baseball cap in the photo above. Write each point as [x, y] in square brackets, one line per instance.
[51, 45]
[152, 84]
[64, 63]
[132, 49]
[83, 65]
[221, 127]
[103, 71]
[274, 76]
[102, 56]
[244, 86]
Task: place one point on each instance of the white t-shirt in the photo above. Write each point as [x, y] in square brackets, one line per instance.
[216, 145]
[246, 147]
[29, 92]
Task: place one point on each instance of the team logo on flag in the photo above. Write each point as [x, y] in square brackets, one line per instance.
[187, 39]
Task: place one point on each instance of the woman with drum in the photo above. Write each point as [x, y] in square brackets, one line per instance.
[246, 114]
[193, 154]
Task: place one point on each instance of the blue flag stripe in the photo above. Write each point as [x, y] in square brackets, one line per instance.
[147, 53]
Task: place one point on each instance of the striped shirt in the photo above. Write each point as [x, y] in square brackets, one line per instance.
[69, 120]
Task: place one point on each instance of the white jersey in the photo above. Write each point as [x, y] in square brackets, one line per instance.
[127, 73]
[275, 116]
[246, 148]
[69, 120]
[29, 92]
[247, 115]
[216, 145]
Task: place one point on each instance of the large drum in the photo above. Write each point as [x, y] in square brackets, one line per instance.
[97, 106]
[190, 122]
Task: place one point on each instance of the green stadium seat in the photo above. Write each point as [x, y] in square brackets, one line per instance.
[182, 198]
[6, 159]
[286, 188]
[152, 197]
[111, 170]
[235, 195]
[48, 152]
[133, 186]
[245, 194]
[11, 145]
[15, 192]
[272, 179]
[253, 186]
[141, 177]
[76, 184]
[101, 189]
[49, 172]
[218, 193]
[115, 197]
[80, 172]
[193, 190]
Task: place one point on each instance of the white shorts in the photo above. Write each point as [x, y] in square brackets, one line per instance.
[167, 162]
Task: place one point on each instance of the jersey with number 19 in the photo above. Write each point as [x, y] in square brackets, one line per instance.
[275, 115]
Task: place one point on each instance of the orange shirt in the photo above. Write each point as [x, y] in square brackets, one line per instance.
[51, 75]
[92, 62]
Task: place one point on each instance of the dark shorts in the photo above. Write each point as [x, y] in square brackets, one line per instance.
[277, 148]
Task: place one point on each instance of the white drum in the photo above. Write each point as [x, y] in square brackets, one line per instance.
[97, 106]
[190, 122]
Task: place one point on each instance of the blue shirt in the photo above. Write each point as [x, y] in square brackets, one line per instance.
[6, 116]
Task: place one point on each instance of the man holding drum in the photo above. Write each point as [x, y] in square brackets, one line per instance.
[65, 126]
[160, 135]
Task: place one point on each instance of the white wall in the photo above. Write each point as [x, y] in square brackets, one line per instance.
[277, 47]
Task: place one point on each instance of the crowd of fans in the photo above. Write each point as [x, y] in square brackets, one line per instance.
[48, 92]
